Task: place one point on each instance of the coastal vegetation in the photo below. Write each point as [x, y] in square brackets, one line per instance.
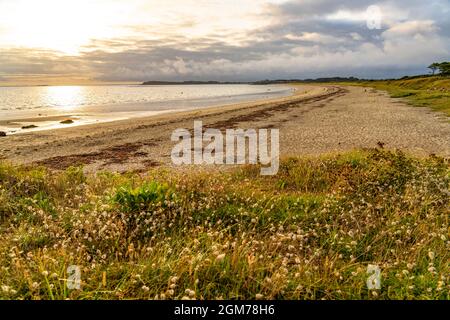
[309, 232]
[431, 91]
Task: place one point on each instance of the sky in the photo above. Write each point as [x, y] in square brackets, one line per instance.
[94, 41]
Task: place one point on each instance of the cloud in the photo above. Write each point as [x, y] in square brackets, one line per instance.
[314, 37]
[310, 8]
[297, 40]
[411, 28]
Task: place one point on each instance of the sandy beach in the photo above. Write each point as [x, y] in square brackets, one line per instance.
[315, 120]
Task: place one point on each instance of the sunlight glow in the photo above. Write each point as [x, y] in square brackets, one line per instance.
[69, 26]
[63, 26]
[66, 98]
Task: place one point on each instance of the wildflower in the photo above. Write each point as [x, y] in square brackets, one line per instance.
[220, 257]
[259, 296]
[190, 293]
[145, 288]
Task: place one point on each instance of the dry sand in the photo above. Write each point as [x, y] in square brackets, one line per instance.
[316, 120]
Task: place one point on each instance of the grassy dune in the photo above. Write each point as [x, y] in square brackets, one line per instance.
[307, 233]
[433, 92]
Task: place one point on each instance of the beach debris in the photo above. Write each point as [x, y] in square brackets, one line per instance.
[2, 134]
[67, 121]
[31, 126]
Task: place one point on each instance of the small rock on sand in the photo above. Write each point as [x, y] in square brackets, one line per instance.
[68, 121]
[2, 134]
[32, 126]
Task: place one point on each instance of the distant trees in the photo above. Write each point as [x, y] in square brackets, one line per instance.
[434, 66]
[443, 67]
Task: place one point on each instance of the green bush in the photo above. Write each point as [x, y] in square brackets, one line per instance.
[134, 199]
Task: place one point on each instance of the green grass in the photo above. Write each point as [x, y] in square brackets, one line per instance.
[432, 91]
[308, 233]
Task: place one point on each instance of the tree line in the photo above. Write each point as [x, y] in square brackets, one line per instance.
[443, 68]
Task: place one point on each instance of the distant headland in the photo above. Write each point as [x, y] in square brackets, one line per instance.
[159, 83]
[272, 81]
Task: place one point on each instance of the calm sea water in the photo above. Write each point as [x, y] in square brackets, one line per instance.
[27, 102]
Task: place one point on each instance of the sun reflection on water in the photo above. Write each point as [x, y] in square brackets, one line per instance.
[67, 98]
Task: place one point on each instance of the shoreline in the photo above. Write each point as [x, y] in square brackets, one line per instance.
[97, 114]
[313, 121]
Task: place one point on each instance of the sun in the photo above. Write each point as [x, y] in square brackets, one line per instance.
[64, 26]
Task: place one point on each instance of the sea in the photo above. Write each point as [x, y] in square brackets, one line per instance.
[42, 107]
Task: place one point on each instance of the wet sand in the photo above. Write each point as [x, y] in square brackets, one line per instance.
[317, 119]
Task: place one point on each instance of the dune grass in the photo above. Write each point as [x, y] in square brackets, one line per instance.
[308, 233]
[432, 92]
